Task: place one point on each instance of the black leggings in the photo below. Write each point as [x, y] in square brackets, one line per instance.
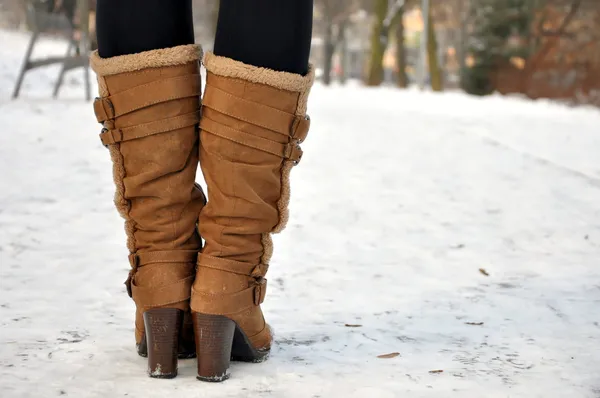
[273, 34]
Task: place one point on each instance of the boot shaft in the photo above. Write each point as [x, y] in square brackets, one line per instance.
[149, 108]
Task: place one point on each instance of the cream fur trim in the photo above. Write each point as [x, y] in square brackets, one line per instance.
[267, 244]
[179, 55]
[228, 67]
[284, 199]
[123, 205]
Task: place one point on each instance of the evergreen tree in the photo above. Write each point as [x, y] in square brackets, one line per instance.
[492, 23]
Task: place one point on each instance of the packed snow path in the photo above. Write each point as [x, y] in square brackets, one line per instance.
[401, 198]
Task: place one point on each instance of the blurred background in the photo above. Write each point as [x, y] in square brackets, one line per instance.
[538, 48]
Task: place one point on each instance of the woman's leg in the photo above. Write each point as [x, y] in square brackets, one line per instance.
[133, 26]
[149, 104]
[253, 121]
[271, 34]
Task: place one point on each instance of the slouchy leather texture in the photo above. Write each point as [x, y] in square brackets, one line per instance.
[149, 108]
[253, 121]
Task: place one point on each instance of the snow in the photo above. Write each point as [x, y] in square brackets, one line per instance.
[400, 199]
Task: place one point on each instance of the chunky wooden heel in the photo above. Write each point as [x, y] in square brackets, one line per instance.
[163, 327]
[187, 345]
[214, 339]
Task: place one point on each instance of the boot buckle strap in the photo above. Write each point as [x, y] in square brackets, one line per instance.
[293, 152]
[260, 291]
[104, 109]
[230, 303]
[298, 133]
[260, 271]
[226, 265]
[166, 256]
[109, 137]
[145, 95]
[163, 295]
[300, 127]
[134, 262]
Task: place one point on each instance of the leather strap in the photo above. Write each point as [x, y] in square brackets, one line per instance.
[232, 266]
[248, 111]
[114, 136]
[260, 271]
[145, 95]
[137, 260]
[300, 127]
[290, 151]
[225, 304]
[163, 295]
[103, 109]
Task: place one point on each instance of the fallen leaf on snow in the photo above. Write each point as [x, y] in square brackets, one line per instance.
[474, 323]
[436, 371]
[351, 325]
[484, 272]
[388, 356]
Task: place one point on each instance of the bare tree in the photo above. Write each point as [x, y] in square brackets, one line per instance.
[401, 78]
[386, 14]
[335, 16]
[432, 54]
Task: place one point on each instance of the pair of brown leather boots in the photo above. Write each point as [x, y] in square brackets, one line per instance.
[193, 300]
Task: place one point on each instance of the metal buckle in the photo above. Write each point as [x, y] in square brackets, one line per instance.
[116, 135]
[107, 107]
[104, 130]
[296, 124]
[293, 150]
[111, 107]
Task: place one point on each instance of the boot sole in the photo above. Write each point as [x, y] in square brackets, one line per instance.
[219, 340]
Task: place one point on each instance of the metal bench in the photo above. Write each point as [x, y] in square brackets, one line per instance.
[42, 21]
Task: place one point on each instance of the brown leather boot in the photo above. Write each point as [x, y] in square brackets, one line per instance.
[149, 107]
[253, 120]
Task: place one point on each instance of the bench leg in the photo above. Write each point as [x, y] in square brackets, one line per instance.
[25, 66]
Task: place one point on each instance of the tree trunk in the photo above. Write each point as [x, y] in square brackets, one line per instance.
[434, 66]
[461, 52]
[401, 78]
[343, 42]
[328, 50]
[375, 74]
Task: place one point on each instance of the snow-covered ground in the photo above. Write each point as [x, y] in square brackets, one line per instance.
[401, 198]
